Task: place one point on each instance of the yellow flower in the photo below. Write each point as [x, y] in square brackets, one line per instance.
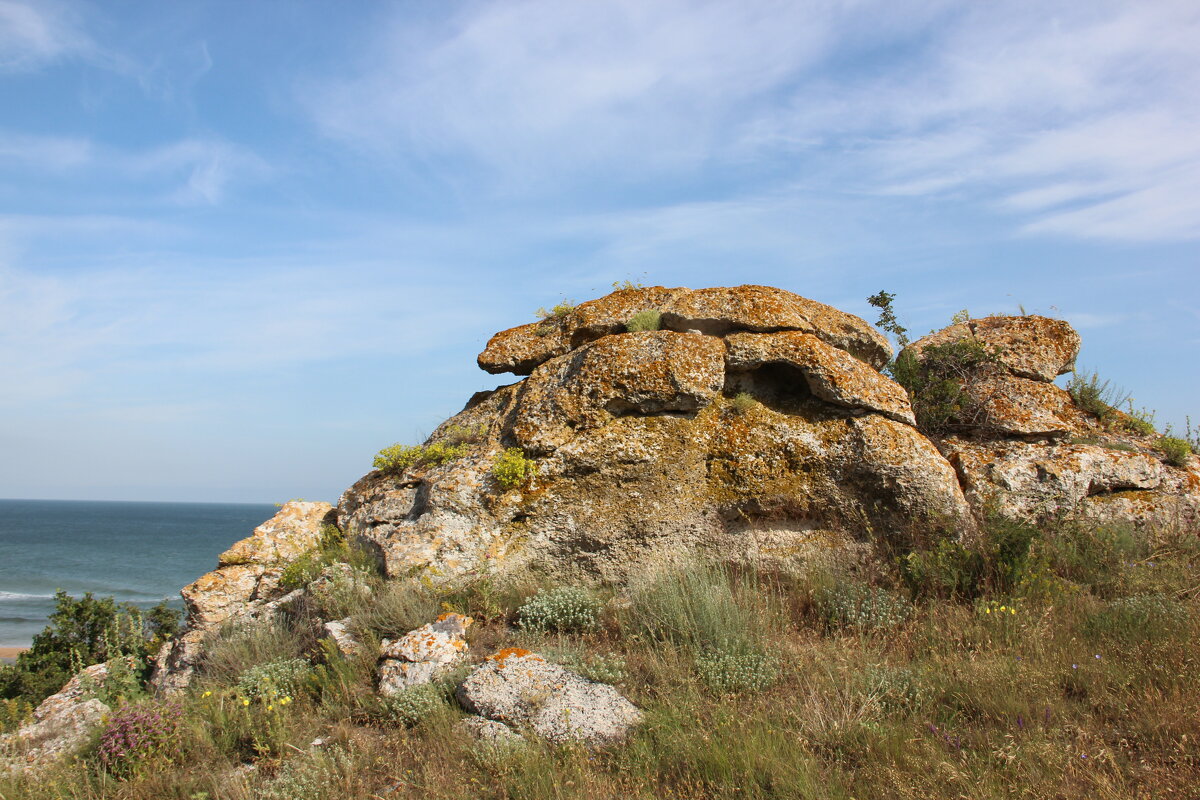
[207, 694]
[1013, 610]
[988, 610]
[270, 708]
[245, 702]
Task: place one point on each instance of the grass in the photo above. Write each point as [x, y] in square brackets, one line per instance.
[644, 321]
[1065, 669]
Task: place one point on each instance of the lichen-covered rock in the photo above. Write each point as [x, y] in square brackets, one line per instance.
[421, 655]
[294, 530]
[651, 372]
[1024, 407]
[524, 690]
[833, 375]
[61, 724]
[1033, 347]
[490, 733]
[176, 662]
[338, 632]
[714, 312]
[215, 596]
[1034, 480]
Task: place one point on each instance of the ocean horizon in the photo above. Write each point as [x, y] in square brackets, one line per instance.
[140, 552]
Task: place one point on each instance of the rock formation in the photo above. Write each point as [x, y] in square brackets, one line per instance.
[755, 426]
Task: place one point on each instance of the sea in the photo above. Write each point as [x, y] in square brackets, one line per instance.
[140, 553]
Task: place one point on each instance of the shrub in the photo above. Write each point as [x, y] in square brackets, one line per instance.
[599, 667]
[512, 469]
[644, 321]
[331, 547]
[310, 776]
[999, 560]
[1175, 450]
[742, 402]
[413, 705]
[14, 713]
[887, 317]
[1138, 422]
[84, 632]
[135, 737]
[558, 311]
[457, 434]
[1095, 396]
[939, 384]
[281, 677]
[737, 671]
[860, 607]
[1137, 618]
[238, 647]
[567, 609]
[399, 457]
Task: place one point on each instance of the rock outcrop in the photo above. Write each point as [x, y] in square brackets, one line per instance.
[244, 585]
[523, 690]
[423, 654]
[61, 724]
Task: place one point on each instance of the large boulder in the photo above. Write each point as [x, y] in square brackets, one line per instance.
[423, 654]
[1034, 347]
[523, 690]
[61, 724]
[715, 312]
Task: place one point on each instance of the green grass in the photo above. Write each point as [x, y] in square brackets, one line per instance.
[644, 321]
[1065, 668]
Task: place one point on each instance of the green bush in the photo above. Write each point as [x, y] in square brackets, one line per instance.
[1140, 422]
[279, 677]
[413, 705]
[1175, 450]
[567, 609]
[399, 457]
[856, 606]
[1138, 618]
[1098, 397]
[557, 311]
[644, 321]
[512, 469]
[999, 560]
[315, 775]
[939, 384]
[302, 571]
[737, 671]
[81, 633]
[599, 667]
[14, 713]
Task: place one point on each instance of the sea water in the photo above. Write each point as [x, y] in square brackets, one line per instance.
[139, 553]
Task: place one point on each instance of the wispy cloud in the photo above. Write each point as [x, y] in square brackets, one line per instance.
[1061, 115]
[35, 34]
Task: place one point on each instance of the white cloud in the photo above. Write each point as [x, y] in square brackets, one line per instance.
[35, 34]
[1018, 107]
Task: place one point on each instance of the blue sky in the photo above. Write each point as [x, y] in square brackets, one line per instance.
[245, 245]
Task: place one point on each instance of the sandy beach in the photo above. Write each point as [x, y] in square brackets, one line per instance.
[7, 654]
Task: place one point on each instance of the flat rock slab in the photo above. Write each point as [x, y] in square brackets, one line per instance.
[524, 690]
[421, 655]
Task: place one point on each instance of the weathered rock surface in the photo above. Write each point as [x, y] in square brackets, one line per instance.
[244, 586]
[423, 654]
[1024, 407]
[652, 372]
[1033, 480]
[338, 632]
[522, 689]
[714, 312]
[61, 724]
[831, 374]
[490, 733]
[1033, 347]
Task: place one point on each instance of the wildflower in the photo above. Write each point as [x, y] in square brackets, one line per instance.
[988, 611]
[1074, 666]
[207, 694]
[1097, 655]
[1012, 610]
[270, 708]
[245, 702]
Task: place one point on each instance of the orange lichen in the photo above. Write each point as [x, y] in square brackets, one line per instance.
[501, 656]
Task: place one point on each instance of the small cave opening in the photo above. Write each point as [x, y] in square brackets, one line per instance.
[779, 387]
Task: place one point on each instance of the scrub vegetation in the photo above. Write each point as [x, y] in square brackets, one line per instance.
[1047, 661]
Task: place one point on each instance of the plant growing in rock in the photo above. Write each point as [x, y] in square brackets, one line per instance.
[942, 384]
[887, 317]
[398, 457]
[566, 609]
[1175, 450]
[742, 402]
[644, 321]
[413, 705]
[513, 469]
[1096, 396]
[557, 311]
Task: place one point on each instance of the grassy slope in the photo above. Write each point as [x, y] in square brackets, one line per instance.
[1038, 676]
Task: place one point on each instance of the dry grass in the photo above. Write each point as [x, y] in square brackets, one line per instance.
[1061, 688]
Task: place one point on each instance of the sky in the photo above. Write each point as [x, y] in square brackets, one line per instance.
[243, 246]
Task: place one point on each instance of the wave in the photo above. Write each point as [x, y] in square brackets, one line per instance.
[21, 596]
[22, 619]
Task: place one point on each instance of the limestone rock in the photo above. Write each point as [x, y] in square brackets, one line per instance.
[490, 733]
[175, 665]
[831, 374]
[1033, 347]
[215, 596]
[715, 312]
[524, 690]
[294, 530]
[1024, 407]
[762, 309]
[1035, 480]
[338, 631]
[650, 372]
[421, 655]
[61, 723]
